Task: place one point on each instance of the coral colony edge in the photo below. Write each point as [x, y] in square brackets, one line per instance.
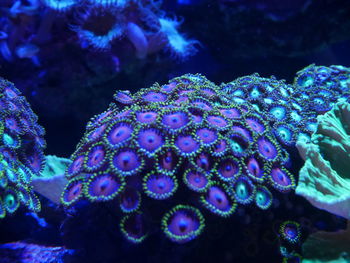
[168, 158]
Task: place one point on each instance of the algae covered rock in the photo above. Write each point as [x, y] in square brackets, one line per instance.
[330, 247]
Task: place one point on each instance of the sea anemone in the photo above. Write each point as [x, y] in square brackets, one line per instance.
[99, 26]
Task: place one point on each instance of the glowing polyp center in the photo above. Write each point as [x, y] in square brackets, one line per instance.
[97, 156]
[104, 185]
[242, 189]
[218, 197]
[8, 139]
[255, 93]
[284, 134]
[278, 112]
[187, 142]
[203, 161]
[126, 159]
[261, 197]
[150, 138]
[10, 200]
[183, 225]
[76, 189]
[197, 179]
[236, 147]
[281, 177]
[290, 232]
[254, 167]
[78, 163]
[266, 148]
[119, 133]
[161, 185]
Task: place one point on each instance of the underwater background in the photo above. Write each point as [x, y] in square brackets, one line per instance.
[174, 131]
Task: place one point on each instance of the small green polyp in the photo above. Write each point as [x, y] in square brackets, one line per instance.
[236, 147]
[11, 203]
[8, 139]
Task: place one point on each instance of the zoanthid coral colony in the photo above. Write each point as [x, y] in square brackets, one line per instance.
[191, 146]
[180, 151]
[21, 150]
[174, 141]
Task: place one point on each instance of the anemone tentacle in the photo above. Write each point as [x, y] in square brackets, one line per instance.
[90, 31]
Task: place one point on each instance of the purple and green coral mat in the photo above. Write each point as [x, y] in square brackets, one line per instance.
[187, 171]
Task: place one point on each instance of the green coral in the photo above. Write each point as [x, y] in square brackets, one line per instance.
[51, 182]
[324, 179]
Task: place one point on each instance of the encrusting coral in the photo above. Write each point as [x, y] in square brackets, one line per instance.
[324, 179]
